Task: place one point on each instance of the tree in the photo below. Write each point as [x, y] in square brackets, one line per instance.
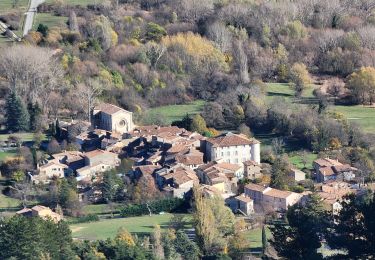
[156, 239]
[33, 238]
[241, 61]
[35, 113]
[300, 238]
[279, 173]
[185, 247]
[300, 78]
[73, 23]
[198, 124]
[264, 240]
[32, 72]
[43, 29]
[245, 130]
[124, 236]
[362, 85]
[354, 232]
[154, 32]
[111, 186]
[17, 117]
[87, 94]
[238, 242]
[53, 146]
[213, 221]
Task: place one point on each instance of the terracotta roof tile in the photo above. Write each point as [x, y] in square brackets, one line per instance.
[255, 187]
[109, 108]
[231, 139]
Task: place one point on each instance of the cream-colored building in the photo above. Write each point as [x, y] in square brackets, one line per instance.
[46, 172]
[112, 118]
[40, 211]
[233, 148]
[271, 199]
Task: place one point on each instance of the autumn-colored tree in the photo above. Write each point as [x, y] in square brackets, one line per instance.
[156, 239]
[197, 47]
[238, 242]
[214, 223]
[198, 124]
[362, 85]
[124, 236]
[300, 77]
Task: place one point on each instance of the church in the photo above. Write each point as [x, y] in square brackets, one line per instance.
[112, 118]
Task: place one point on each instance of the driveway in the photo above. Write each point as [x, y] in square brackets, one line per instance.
[28, 25]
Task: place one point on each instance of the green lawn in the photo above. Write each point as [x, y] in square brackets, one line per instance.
[108, 228]
[7, 202]
[50, 20]
[7, 6]
[100, 208]
[296, 160]
[25, 137]
[363, 116]
[254, 236]
[284, 90]
[76, 2]
[4, 155]
[177, 112]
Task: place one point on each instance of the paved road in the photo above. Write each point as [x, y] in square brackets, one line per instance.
[30, 15]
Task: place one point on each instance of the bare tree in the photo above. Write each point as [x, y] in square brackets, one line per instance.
[220, 34]
[241, 61]
[194, 10]
[87, 94]
[154, 52]
[31, 71]
[73, 23]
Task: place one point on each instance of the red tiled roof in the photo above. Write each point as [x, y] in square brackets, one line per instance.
[278, 193]
[244, 198]
[255, 187]
[231, 139]
[326, 171]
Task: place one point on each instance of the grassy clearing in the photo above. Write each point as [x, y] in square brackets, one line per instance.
[7, 6]
[177, 112]
[296, 160]
[363, 116]
[108, 228]
[50, 20]
[100, 208]
[254, 237]
[4, 155]
[25, 137]
[76, 2]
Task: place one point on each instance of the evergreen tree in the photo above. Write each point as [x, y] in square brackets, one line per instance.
[17, 117]
[264, 239]
[354, 231]
[35, 112]
[58, 129]
[300, 238]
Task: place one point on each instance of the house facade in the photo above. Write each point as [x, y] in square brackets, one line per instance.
[232, 148]
[271, 199]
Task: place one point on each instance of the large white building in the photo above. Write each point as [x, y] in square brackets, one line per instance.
[233, 148]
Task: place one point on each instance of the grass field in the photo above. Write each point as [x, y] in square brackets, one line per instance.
[296, 160]
[7, 5]
[108, 228]
[254, 236]
[4, 155]
[76, 2]
[50, 20]
[25, 137]
[177, 112]
[363, 116]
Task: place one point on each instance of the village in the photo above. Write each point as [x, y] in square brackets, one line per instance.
[228, 166]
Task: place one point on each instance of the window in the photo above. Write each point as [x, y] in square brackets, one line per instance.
[222, 154]
[228, 153]
[236, 160]
[236, 153]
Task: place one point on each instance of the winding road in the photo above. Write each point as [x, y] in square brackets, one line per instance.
[30, 15]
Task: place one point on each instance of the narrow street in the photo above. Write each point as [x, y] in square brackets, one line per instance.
[30, 15]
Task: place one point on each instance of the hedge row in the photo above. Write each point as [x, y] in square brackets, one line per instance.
[164, 205]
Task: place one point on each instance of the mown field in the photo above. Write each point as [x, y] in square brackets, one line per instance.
[7, 6]
[108, 228]
[49, 20]
[4, 155]
[177, 112]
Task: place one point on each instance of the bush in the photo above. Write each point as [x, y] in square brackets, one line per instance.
[85, 219]
[164, 205]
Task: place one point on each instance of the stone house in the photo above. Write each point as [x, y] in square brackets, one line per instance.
[112, 118]
[328, 170]
[46, 172]
[232, 148]
[252, 170]
[271, 199]
[40, 211]
[244, 204]
[297, 175]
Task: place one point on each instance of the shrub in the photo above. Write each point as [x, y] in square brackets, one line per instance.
[163, 205]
